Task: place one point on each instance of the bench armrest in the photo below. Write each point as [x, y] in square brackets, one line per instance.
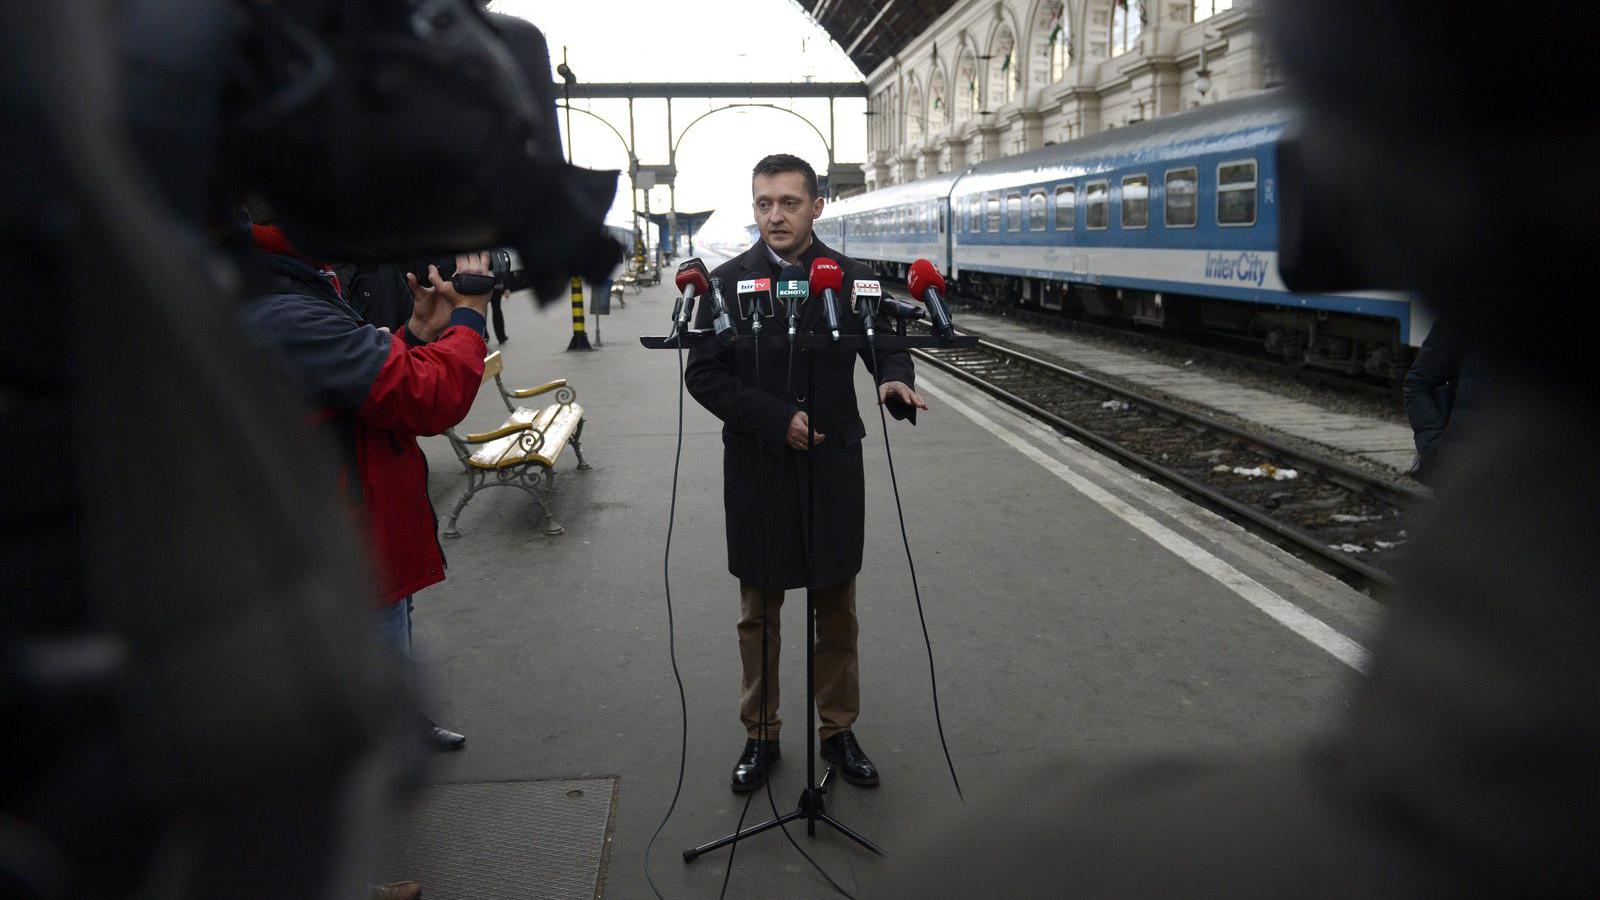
[498, 433]
[521, 393]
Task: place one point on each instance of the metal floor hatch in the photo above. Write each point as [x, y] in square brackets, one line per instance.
[503, 840]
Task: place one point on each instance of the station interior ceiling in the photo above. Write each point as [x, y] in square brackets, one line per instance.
[873, 30]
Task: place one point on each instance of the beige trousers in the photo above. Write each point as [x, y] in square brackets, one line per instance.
[838, 674]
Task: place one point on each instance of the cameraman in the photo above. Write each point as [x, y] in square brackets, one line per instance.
[374, 393]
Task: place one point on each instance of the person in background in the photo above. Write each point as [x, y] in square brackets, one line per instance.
[497, 316]
[1430, 393]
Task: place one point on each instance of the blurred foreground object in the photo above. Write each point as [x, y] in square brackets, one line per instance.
[192, 706]
[352, 117]
[1469, 765]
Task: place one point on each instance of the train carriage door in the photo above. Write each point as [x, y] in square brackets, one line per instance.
[946, 233]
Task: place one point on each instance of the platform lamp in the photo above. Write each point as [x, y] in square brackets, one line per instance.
[1202, 75]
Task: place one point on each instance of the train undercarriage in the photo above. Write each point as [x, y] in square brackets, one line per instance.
[1348, 344]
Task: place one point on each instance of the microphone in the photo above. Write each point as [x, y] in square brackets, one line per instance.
[927, 285]
[896, 308]
[691, 280]
[866, 294]
[793, 290]
[720, 322]
[827, 277]
[754, 296]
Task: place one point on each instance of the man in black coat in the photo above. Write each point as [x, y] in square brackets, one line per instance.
[765, 431]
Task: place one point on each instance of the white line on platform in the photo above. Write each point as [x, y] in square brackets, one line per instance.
[1253, 592]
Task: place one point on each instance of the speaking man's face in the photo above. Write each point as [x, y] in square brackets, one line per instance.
[784, 211]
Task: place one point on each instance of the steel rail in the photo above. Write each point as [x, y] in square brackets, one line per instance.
[1345, 476]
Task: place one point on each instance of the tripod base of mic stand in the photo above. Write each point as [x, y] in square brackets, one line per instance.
[811, 808]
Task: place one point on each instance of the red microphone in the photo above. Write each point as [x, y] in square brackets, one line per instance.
[691, 280]
[927, 286]
[827, 277]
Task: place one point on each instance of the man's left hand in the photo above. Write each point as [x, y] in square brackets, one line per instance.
[901, 391]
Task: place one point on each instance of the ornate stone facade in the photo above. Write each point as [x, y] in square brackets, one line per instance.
[998, 77]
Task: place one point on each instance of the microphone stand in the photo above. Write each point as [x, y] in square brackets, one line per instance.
[812, 805]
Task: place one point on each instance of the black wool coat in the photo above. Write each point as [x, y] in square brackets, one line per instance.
[764, 480]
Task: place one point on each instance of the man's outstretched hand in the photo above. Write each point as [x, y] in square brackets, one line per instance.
[902, 392]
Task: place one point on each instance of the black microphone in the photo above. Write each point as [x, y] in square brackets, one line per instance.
[754, 296]
[896, 308]
[793, 289]
[866, 294]
[827, 277]
[720, 322]
[927, 285]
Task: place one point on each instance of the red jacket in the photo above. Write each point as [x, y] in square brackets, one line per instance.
[419, 389]
[377, 392]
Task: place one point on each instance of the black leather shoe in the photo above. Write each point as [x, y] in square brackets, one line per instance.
[444, 740]
[753, 765]
[847, 756]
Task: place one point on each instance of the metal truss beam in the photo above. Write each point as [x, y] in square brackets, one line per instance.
[712, 89]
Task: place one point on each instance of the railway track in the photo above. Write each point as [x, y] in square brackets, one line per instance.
[1349, 522]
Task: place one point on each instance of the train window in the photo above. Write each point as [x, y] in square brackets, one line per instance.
[1097, 204]
[975, 214]
[992, 212]
[941, 218]
[1013, 212]
[1038, 211]
[1136, 201]
[1066, 207]
[1236, 192]
[1181, 208]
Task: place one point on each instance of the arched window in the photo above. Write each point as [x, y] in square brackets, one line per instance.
[1051, 50]
[967, 99]
[1205, 9]
[914, 114]
[938, 115]
[1003, 76]
[1127, 17]
[1058, 42]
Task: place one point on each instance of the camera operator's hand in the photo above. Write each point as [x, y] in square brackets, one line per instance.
[430, 313]
[474, 263]
[432, 303]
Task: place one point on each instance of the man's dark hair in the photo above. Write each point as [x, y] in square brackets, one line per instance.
[785, 162]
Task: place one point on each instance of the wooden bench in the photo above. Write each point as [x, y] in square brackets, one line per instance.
[522, 452]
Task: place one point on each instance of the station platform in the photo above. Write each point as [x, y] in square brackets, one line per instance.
[1075, 611]
[1386, 443]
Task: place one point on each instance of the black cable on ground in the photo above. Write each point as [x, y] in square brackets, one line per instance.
[905, 540]
[672, 648]
[734, 847]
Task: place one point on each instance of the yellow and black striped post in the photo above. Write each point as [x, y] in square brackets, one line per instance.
[580, 340]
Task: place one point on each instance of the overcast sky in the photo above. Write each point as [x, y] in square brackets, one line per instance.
[698, 40]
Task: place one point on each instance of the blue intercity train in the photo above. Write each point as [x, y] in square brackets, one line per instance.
[1171, 223]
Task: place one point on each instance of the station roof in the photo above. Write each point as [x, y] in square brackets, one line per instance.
[870, 31]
